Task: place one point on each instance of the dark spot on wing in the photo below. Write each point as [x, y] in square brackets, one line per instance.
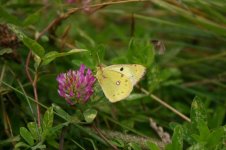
[121, 69]
[122, 75]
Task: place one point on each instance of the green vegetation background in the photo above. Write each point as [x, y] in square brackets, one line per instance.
[189, 76]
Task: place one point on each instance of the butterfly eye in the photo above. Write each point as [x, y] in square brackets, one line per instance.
[121, 69]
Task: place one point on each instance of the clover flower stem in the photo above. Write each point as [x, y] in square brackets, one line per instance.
[34, 84]
[36, 99]
[27, 67]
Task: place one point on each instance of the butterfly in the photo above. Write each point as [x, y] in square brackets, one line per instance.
[117, 81]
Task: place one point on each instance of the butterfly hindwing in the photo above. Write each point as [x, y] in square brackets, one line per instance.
[115, 85]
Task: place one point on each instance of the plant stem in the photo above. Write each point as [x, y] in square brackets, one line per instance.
[61, 144]
[165, 104]
[34, 84]
[27, 67]
[36, 98]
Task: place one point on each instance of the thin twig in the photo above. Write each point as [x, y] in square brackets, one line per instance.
[61, 145]
[64, 36]
[60, 41]
[27, 67]
[34, 84]
[36, 98]
[165, 104]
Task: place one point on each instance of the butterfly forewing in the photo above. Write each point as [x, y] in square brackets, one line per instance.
[133, 71]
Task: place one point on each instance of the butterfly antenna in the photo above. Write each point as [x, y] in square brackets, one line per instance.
[98, 57]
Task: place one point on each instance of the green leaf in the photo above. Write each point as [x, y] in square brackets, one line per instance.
[197, 130]
[31, 19]
[63, 114]
[90, 115]
[74, 118]
[177, 139]
[215, 138]
[189, 133]
[21, 144]
[38, 61]
[47, 122]
[34, 130]
[26, 136]
[49, 57]
[198, 112]
[152, 146]
[17, 31]
[34, 46]
[203, 130]
[5, 51]
[117, 142]
[57, 128]
[216, 120]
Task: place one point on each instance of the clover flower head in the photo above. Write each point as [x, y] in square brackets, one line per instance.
[76, 85]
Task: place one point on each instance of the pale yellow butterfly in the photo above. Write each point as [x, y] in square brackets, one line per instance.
[117, 81]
